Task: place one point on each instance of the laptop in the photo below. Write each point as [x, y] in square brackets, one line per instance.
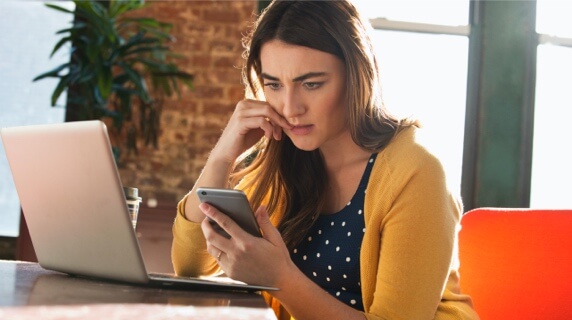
[74, 205]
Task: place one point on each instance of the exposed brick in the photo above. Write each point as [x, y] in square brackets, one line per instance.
[208, 35]
[224, 76]
[225, 62]
[236, 93]
[222, 109]
[199, 29]
[224, 46]
[201, 60]
[208, 92]
[222, 15]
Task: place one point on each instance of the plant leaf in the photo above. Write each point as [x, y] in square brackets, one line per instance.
[52, 6]
[62, 85]
[78, 25]
[60, 44]
[104, 82]
[155, 49]
[138, 81]
[54, 73]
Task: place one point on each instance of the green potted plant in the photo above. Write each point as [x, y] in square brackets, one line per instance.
[113, 56]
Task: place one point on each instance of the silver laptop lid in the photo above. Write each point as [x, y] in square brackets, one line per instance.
[73, 201]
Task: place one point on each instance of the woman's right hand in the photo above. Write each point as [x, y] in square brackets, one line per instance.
[250, 121]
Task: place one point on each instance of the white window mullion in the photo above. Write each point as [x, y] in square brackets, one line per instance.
[554, 40]
[386, 24]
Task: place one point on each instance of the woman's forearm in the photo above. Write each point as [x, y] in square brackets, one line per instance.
[215, 174]
[305, 300]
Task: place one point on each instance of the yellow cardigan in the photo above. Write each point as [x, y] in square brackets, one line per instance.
[408, 258]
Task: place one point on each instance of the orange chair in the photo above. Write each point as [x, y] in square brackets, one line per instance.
[517, 263]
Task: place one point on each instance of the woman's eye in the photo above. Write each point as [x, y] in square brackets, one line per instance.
[272, 85]
[312, 85]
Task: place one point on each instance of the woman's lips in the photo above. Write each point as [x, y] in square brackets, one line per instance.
[302, 130]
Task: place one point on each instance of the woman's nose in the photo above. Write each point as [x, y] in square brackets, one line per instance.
[292, 105]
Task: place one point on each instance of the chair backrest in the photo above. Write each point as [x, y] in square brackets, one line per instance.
[517, 263]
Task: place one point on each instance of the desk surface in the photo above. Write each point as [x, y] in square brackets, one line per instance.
[28, 291]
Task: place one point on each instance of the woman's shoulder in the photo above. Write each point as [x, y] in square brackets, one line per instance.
[410, 147]
[407, 162]
[406, 157]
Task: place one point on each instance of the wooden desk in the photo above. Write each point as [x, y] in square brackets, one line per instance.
[28, 291]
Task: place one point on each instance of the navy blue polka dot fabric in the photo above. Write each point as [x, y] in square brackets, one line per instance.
[329, 253]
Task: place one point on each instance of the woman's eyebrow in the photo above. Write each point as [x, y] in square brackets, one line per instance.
[297, 79]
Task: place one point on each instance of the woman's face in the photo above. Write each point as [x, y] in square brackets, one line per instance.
[307, 87]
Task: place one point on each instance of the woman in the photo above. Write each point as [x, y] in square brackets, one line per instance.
[357, 218]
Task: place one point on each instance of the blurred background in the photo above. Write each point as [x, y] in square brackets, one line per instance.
[490, 80]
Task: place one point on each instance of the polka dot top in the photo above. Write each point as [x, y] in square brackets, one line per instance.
[329, 254]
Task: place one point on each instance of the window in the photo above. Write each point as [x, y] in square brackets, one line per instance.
[28, 39]
[423, 56]
[552, 150]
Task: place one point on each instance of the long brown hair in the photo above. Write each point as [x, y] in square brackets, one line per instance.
[290, 177]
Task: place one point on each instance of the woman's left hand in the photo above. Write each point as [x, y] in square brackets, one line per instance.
[254, 260]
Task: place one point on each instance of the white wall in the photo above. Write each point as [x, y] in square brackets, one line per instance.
[27, 39]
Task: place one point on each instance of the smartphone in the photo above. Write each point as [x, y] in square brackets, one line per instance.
[234, 204]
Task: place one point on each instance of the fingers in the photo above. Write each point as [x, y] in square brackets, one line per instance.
[250, 121]
[269, 231]
[245, 257]
[265, 114]
[222, 243]
[217, 220]
[214, 240]
[215, 252]
[268, 128]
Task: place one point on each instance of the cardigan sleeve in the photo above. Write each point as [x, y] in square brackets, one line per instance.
[412, 244]
[189, 249]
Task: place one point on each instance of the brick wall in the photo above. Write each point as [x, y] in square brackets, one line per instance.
[209, 36]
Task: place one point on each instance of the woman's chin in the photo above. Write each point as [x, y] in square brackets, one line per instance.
[304, 145]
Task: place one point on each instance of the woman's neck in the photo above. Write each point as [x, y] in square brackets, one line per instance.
[342, 152]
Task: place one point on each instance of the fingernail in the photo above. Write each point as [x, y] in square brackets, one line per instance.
[204, 207]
